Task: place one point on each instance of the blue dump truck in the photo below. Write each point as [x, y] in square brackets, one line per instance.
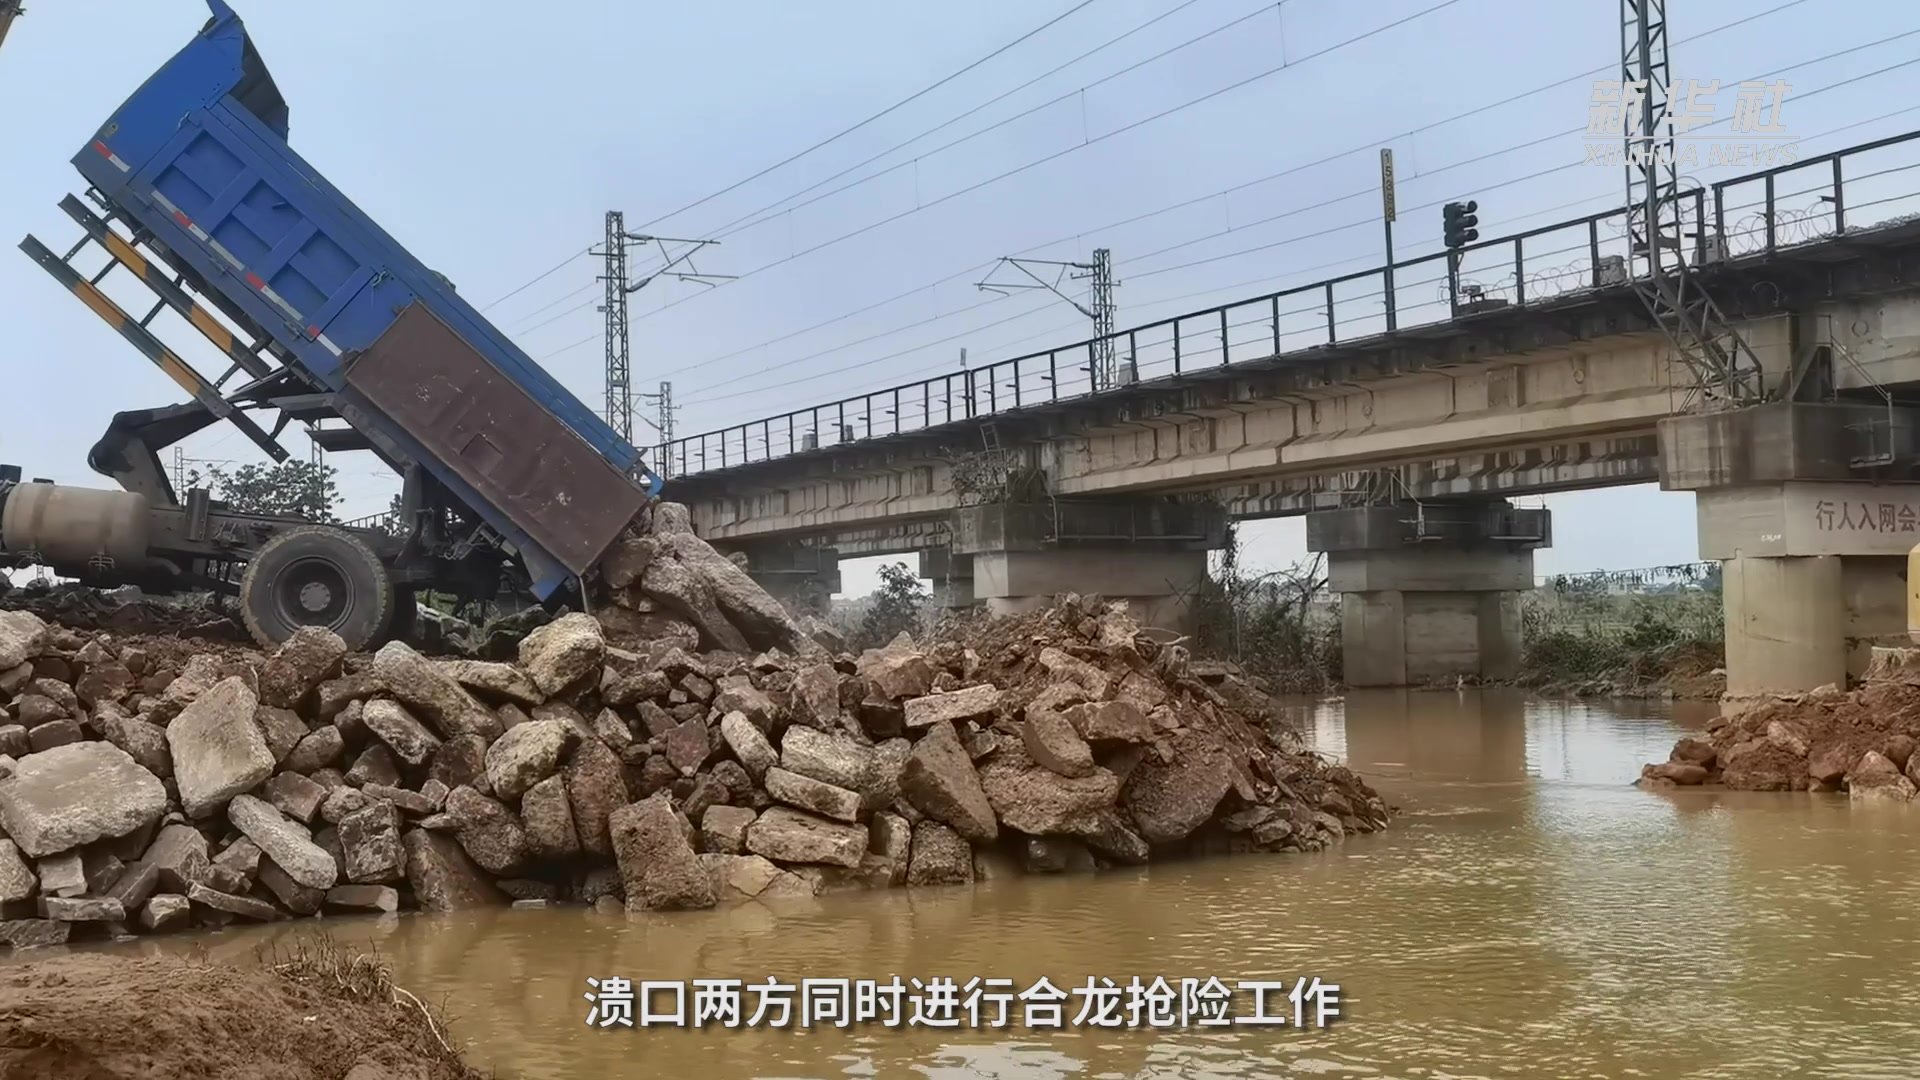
[325, 322]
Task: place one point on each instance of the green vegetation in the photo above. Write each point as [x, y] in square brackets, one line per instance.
[1280, 626]
[1627, 630]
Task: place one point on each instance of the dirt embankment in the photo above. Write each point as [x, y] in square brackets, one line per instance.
[1861, 742]
[312, 1016]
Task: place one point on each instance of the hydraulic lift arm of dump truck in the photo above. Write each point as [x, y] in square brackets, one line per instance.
[321, 319]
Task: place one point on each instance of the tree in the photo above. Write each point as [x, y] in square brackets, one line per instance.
[897, 605]
[299, 488]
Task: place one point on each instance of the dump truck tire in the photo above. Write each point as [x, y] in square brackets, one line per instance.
[316, 576]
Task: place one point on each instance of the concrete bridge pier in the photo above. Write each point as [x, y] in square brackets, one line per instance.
[1429, 592]
[802, 577]
[1811, 510]
[952, 577]
[1149, 552]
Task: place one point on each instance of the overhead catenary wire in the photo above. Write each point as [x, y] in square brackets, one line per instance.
[775, 210]
[695, 399]
[1368, 146]
[1091, 140]
[843, 133]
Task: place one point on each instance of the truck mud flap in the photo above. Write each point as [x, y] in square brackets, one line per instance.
[515, 454]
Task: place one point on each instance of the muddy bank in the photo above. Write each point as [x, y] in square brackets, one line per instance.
[1690, 671]
[689, 745]
[315, 1015]
[1861, 742]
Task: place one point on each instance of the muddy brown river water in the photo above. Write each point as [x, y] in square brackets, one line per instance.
[1529, 915]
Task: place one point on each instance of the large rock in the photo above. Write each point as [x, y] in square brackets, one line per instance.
[560, 653]
[897, 671]
[370, 847]
[757, 616]
[738, 877]
[282, 728]
[22, 637]
[1110, 721]
[749, 744]
[786, 835]
[939, 857]
[76, 794]
[496, 680]
[1052, 742]
[301, 663]
[940, 781]
[295, 796]
[179, 853]
[723, 829]
[1876, 777]
[816, 696]
[657, 864]
[596, 787]
[321, 748]
[284, 840]
[690, 596]
[527, 754]
[407, 737]
[1040, 802]
[16, 877]
[488, 830]
[1169, 800]
[431, 693]
[688, 745]
[218, 751]
[809, 794]
[972, 703]
[549, 821]
[441, 875]
[830, 759]
[462, 760]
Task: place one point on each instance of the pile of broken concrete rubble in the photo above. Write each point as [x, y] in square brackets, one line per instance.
[644, 758]
[1860, 741]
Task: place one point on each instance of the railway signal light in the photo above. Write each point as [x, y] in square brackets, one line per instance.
[1461, 220]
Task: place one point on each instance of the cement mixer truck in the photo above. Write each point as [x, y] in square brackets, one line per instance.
[324, 323]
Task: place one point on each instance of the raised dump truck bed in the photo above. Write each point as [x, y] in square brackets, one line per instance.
[195, 191]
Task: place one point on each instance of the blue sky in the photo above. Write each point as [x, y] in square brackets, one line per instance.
[492, 137]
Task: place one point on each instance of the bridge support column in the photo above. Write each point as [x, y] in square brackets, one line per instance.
[802, 578]
[1792, 499]
[952, 577]
[1429, 593]
[1150, 553]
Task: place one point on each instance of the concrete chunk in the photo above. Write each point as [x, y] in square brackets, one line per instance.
[218, 751]
[657, 865]
[392, 724]
[809, 794]
[284, 840]
[787, 835]
[73, 795]
[972, 703]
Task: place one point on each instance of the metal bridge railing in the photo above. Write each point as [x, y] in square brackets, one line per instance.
[1847, 191]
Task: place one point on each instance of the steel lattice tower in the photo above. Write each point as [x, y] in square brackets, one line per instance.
[1725, 370]
[1100, 290]
[619, 362]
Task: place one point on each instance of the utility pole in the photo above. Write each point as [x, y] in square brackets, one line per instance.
[614, 250]
[664, 410]
[614, 306]
[1388, 211]
[1102, 364]
[1725, 368]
